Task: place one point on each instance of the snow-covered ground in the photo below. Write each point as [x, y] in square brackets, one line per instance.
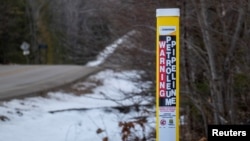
[66, 116]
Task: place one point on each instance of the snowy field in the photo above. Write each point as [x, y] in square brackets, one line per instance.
[67, 116]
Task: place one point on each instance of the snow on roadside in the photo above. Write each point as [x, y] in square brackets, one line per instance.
[110, 49]
[30, 118]
[63, 116]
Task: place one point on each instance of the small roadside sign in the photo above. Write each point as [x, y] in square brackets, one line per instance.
[26, 52]
[25, 46]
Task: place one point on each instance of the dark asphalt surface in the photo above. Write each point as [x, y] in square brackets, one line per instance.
[23, 80]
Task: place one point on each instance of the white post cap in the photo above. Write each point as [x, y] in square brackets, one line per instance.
[167, 12]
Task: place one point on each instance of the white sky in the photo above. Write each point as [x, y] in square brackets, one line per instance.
[30, 119]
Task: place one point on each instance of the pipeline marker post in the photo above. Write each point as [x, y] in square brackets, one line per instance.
[167, 74]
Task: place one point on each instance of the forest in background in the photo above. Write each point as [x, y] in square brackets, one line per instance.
[215, 48]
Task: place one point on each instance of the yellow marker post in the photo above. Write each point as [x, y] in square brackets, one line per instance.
[167, 74]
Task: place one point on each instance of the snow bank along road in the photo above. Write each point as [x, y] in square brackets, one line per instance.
[23, 80]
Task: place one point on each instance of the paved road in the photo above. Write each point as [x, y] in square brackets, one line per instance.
[22, 80]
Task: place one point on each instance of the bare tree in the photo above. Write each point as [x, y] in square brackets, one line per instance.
[214, 46]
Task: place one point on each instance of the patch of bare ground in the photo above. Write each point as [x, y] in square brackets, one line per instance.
[82, 87]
